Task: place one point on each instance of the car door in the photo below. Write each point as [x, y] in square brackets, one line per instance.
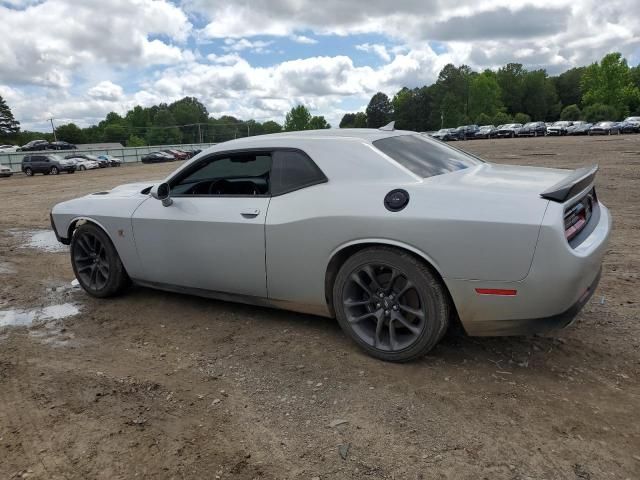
[211, 237]
[39, 163]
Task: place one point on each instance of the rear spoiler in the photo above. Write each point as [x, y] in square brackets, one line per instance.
[571, 185]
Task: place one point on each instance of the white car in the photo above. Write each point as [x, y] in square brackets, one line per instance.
[393, 233]
[8, 148]
[5, 171]
[84, 164]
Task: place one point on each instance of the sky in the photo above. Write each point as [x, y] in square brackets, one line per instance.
[77, 60]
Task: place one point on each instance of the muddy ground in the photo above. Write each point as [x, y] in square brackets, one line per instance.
[156, 385]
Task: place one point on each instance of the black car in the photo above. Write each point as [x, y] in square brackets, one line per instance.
[627, 126]
[579, 128]
[62, 146]
[508, 130]
[446, 134]
[47, 164]
[605, 128]
[635, 121]
[157, 157]
[467, 131]
[101, 161]
[34, 146]
[486, 131]
[533, 129]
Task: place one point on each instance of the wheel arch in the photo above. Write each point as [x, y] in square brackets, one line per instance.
[77, 221]
[343, 252]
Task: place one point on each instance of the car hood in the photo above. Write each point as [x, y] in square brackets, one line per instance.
[502, 180]
[128, 189]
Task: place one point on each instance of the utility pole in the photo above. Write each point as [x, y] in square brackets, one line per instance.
[54, 130]
[247, 129]
[199, 133]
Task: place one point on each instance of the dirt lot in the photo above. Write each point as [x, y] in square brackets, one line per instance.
[155, 385]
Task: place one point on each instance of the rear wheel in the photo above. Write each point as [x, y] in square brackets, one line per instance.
[54, 170]
[391, 304]
[96, 263]
[28, 172]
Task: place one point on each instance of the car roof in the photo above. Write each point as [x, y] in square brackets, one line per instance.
[366, 134]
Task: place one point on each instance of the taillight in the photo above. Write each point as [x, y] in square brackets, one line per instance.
[578, 215]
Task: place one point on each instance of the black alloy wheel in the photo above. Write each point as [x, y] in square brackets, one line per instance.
[391, 304]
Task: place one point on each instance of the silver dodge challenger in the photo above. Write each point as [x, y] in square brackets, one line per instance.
[393, 233]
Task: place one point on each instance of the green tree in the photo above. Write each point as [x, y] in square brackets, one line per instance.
[521, 118]
[70, 133]
[501, 118]
[298, 118]
[164, 131]
[571, 112]
[115, 132]
[599, 112]
[511, 81]
[483, 119]
[188, 112]
[568, 86]
[271, 127]
[379, 111]
[484, 94]
[135, 141]
[609, 83]
[318, 123]
[354, 120]
[9, 126]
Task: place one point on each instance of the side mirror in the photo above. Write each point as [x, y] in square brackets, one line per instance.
[162, 191]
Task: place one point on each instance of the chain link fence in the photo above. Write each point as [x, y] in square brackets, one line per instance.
[13, 160]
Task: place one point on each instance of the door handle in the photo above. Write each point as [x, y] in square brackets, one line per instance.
[250, 213]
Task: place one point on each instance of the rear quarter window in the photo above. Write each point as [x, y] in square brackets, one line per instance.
[424, 157]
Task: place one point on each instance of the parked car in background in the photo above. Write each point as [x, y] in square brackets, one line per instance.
[62, 146]
[157, 157]
[533, 129]
[34, 146]
[508, 130]
[627, 126]
[93, 158]
[8, 148]
[467, 131]
[635, 121]
[83, 163]
[446, 134]
[5, 171]
[47, 163]
[113, 161]
[177, 154]
[579, 128]
[486, 131]
[507, 250]
[559, 128]
[605, 128]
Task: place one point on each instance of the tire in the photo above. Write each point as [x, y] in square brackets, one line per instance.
[381, 305]
[513, 135]
[54, 170]
[96, 263]
[71, 171]
[28, 172]
[82, 168]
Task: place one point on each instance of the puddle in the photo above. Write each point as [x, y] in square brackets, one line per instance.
[26, 318]
[6, 268]
[44, 240]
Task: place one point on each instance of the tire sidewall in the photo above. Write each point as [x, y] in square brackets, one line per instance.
[429, 289]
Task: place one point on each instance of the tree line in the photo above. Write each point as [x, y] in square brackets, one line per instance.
[605, 90]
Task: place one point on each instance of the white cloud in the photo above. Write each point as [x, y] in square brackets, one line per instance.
[304, 39]
[376, 48]
[106, 90]
[238, 45]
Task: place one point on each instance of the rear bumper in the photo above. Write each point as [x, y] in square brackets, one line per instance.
[560, 282]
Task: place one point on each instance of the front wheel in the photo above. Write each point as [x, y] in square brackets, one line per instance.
[54, 170]
[390, 304]
[82, 168]
[96, 263]
[28, 172]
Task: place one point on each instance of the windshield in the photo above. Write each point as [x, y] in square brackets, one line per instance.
[603, 124]
[426, 158]
[561, 124]
[530, 124]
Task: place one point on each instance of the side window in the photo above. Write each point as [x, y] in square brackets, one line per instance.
[27, 159]
[293, 170]
[240, 174]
